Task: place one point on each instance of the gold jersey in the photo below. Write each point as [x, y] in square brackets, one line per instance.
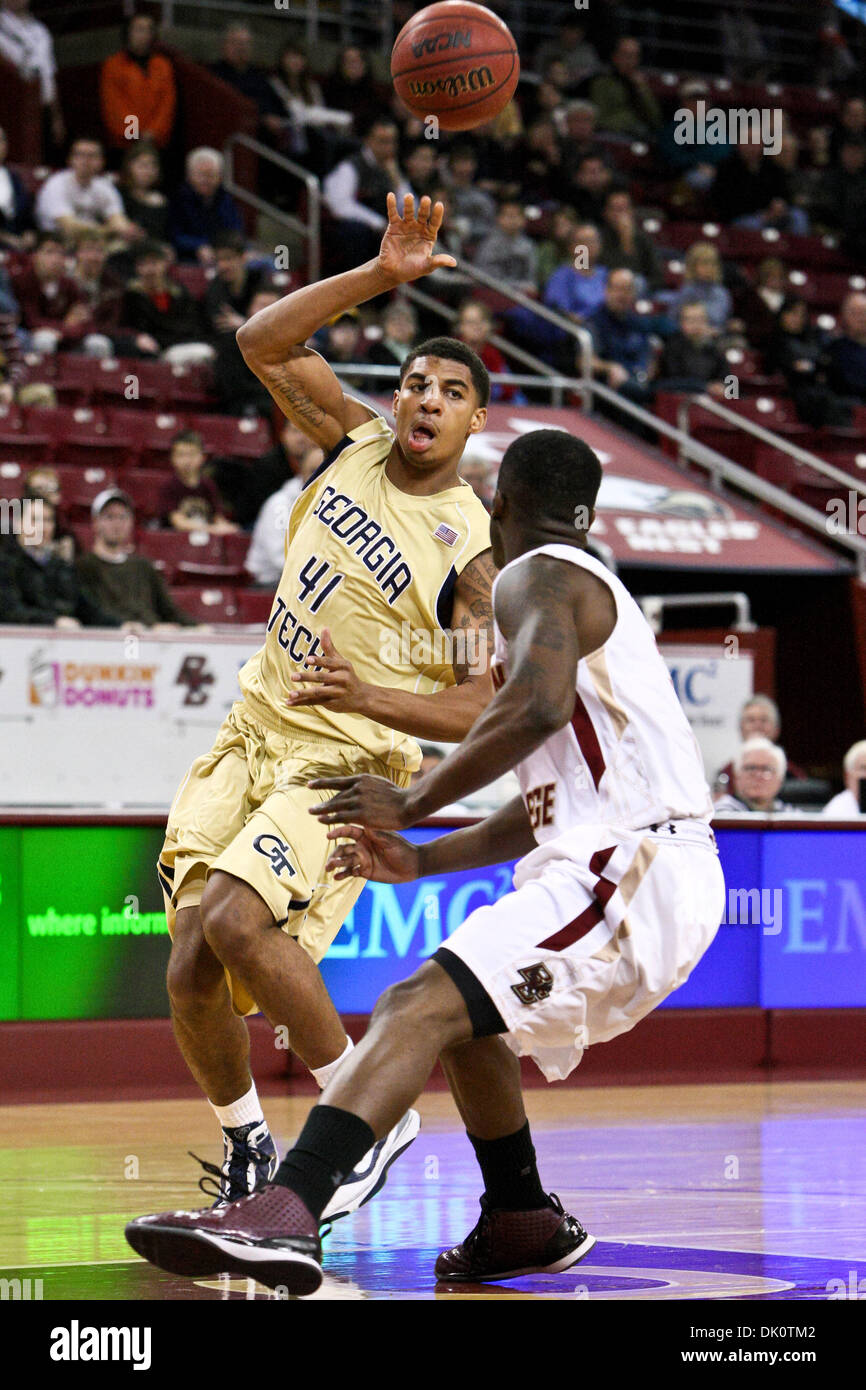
[376, 567]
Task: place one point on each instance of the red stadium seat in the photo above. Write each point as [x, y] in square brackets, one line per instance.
[150, 432]
[227, 434]
[134, 380]
[207, 605]
[235, 547]
[79, 486]
[144, 486]
[77, 378]
[194, 278]
[21, 436]
[79, 435]
[189, 555]
[11, 480]
[254, 605]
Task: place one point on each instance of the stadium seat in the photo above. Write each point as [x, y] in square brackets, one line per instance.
[207, 605]
[254, 605]
[77, 378]
[150, 433]
[11, 480]
[21, 436]
[132, 379]
[235, 548]
[79, 486]
[228, 434]
[79, 435]
[144, 486]
[186, 555]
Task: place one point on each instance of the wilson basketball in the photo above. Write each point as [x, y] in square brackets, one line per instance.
[455, 61]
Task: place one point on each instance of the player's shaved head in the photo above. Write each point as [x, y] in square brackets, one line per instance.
[548, 474]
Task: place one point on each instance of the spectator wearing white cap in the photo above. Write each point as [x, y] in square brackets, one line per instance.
[847, 803]
[123, 584]
[759, 771]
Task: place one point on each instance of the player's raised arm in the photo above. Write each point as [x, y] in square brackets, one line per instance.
[330, 680]
[273, 340]
[538, 607]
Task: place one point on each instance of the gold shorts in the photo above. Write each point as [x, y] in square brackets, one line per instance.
[244, 808]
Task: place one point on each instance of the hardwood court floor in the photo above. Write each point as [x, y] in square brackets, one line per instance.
[713, 1192]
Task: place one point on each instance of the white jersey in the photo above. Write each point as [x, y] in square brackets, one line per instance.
[628, 757]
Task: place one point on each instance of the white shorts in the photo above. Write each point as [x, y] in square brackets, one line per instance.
[602, 925]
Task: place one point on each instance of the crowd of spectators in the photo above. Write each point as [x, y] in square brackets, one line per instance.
[120, 252]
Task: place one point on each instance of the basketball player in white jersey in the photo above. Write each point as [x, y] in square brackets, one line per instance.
[617, 894]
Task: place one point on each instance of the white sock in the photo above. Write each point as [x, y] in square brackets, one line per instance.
[241, 1112]
[323, 1074]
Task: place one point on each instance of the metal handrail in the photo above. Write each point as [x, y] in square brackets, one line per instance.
[724, 469]
[311, 230]
[377, 371]
[784, 446]
[653, 606]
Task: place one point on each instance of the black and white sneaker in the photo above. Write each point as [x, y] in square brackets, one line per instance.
[250, 1160]
[369, 1176]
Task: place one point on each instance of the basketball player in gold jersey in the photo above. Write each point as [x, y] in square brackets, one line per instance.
[384, 540]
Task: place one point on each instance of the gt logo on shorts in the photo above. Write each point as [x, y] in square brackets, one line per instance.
[537, 984]
[273, 848]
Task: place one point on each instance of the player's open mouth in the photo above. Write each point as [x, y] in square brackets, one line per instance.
[421, 437]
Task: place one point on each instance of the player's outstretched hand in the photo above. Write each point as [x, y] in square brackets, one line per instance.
[329, 679]
[378, 854]
[363, 800]
[407, 246]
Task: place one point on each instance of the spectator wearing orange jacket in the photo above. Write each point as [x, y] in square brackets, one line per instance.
[138, 82]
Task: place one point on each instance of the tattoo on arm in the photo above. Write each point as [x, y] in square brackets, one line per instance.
[290, 394]
[473, 595]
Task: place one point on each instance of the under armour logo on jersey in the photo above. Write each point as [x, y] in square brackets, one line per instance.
[276, 850]
[444, 533]
[537, 984]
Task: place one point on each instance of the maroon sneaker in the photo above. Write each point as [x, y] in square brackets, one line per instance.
[506, 1244]
[269, 1236]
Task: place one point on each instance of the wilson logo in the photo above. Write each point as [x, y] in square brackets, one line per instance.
[439, 42]
[475, 80]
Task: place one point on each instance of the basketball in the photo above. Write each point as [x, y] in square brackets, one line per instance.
[455, 61]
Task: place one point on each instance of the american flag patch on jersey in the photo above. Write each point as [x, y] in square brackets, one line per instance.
[444, 533]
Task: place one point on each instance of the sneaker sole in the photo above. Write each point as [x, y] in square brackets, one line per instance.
[572, 1258]
[415, 1127]
[197, 1255]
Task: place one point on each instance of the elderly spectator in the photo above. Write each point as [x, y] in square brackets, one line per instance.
[162, 315]
[202, 207]
[625, 245]
[40, 588]
[579, 132]
[847, 803]
[589, 185]
[474, 208]
[53, 308]
[753, 190]
[267, 553]
[759, 717]
[137, 92]
[474, 326]
[622, 97]
[16, 206]
[126, 586]
[236, 67]
[759, 771]
[28, 45]
[691, 360]
[621, 340]
[138, 183]
[355, 193]
[570, 47]
[81, 196]
[702, 284]
[846, 355]
[507, 253]
[399, 332]
[351, 87]
[189, 501]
